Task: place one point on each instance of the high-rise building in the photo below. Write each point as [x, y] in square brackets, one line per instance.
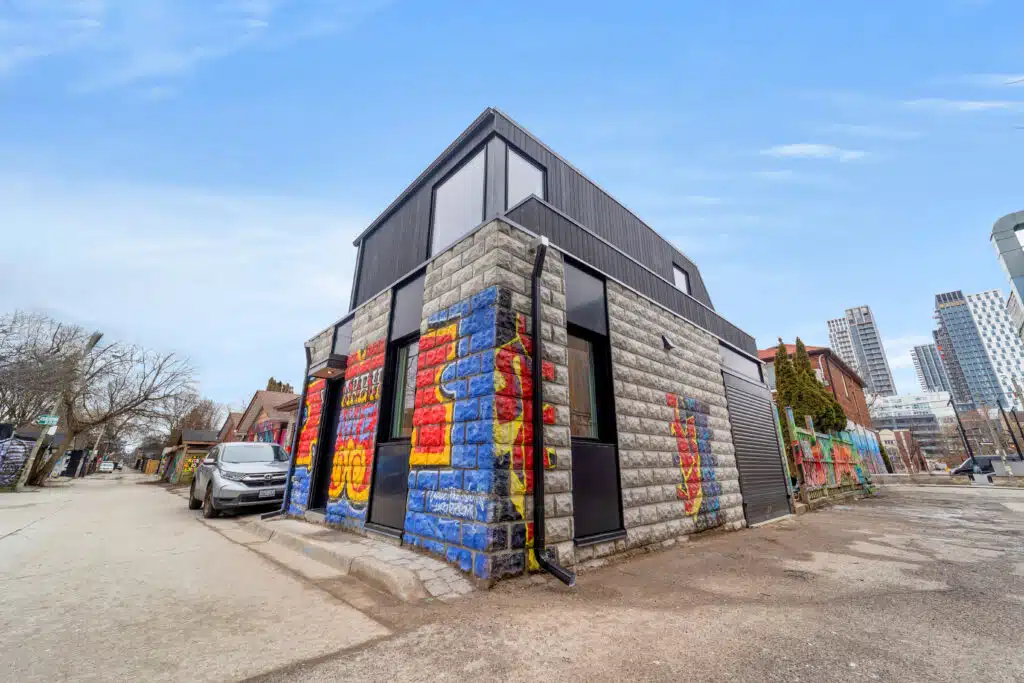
[923, 414]
[1008, 240]
[856, 339]
[928, 366]
[957, 382]
[984, 344]
[840, 341]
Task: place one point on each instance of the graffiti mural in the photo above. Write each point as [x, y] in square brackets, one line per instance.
[472, 456]
[699, 491]
[437, 388]
[829, 461]
[356, 435]
[513, 417]
[309, 431]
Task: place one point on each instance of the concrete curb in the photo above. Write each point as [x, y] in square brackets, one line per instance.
[397, 581]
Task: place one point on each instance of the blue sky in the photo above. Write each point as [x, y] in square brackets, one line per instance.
[195, 170]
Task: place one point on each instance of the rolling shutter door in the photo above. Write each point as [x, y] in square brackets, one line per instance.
[758, 457]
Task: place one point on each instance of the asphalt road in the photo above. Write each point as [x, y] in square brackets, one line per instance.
[116, 581]
[109, 580]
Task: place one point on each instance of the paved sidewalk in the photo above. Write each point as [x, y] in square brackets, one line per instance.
[403, 572]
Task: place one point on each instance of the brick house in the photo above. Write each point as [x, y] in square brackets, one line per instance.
[430, 415]
[268, 418]
[838, 377]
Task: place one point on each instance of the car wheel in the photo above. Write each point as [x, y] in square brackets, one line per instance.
[208, 510]
[193, 502]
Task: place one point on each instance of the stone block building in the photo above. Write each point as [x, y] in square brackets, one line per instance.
[529, 376]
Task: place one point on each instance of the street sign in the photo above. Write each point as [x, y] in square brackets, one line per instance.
[47, 420]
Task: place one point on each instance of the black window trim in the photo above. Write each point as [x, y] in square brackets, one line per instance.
[686, 279]
[387, 397]
[510, 148]
[603, 385]
[469, 156]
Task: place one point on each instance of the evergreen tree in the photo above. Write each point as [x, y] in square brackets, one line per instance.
[785, 380]
[885, 457]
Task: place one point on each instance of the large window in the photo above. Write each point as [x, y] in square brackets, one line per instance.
[458, 204]
[524, 179]
[582, 389]
[682, 278]
[404, 391]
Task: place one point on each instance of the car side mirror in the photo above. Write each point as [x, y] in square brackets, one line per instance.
[209, 461]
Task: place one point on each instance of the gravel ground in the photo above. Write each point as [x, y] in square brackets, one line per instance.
[914, 585]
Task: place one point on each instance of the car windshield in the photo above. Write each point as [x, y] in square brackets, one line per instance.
[255, 452]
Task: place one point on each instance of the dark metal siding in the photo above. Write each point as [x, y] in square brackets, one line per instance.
[401, 240]
[758, 456]
[571, 192]
[587, 247]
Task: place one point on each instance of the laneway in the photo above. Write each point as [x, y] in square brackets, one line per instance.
[111, 580]
[114, 581]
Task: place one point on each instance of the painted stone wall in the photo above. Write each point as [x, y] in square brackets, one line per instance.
[305, 451]
[677, 464]
[471, 480]
[355, 437]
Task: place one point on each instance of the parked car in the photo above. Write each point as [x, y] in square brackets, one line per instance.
[236, 476]
[984, 464]
[106, 467]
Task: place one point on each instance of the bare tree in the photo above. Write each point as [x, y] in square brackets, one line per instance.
[187, 410]
[34, 363]
[109, 383]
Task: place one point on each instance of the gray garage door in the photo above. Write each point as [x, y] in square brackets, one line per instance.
[758, 457]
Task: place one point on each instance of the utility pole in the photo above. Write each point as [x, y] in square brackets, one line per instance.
[1016, 444]
[1000, 451]
[963, 433]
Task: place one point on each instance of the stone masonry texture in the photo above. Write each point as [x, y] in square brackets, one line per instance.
[677, 464]
[355, 438]
[471, 462]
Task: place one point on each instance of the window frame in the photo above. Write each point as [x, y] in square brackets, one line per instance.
[686, 279]
[509, 150]
[480, 149]
[603, 386]
[385, 426]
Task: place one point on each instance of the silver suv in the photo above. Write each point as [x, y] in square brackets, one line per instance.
[234, 476]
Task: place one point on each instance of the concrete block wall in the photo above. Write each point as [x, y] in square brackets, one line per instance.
[677, 464]
[355, 438]
[369, 325]
[471, 480]
[306, 449]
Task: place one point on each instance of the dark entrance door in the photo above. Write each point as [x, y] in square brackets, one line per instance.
[596, 499]
[758, 455]
[390, 486]
[325, 446]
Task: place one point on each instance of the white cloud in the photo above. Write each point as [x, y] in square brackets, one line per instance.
[990, 80]
[948, 105]
[120, 42]
[897, 349]
[872, 131]
[810, 150]
[237, 282]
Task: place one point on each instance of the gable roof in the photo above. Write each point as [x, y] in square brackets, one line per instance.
[768, 356]
[198, 436]
[230, 424]
[265, 400]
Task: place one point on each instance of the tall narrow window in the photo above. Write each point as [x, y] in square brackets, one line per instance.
[582, 389]
[404, 391]
[458, 203]
[682, 278]
[524, 179]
